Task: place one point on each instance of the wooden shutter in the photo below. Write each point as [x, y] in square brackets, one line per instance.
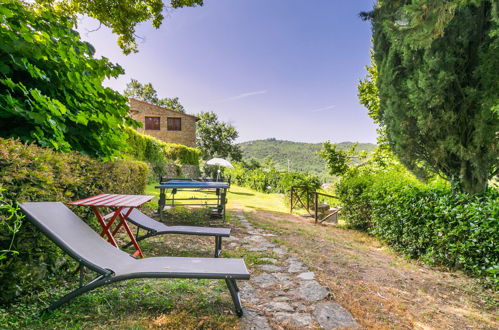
[174, 124]
[152, 123]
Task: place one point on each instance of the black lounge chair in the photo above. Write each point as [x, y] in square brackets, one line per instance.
[154, 228]
[82, 243]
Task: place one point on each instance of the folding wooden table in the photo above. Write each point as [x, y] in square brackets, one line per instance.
[117, 203]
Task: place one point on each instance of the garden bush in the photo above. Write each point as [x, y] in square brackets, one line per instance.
[425, 221]
[32, 173]
[158, 153]
[271, 180]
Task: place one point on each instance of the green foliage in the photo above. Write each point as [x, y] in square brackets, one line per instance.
[215, 138]
[437, 77]
[303, 157]
[10, 224]
[428, 222]
[270, 180]
[368, 92]
[31, 173]
[147, 93]
[337, 160]
[51, 86]
[120, 16]
[158, 153]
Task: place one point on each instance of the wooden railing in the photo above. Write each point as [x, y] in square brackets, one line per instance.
[302, 197]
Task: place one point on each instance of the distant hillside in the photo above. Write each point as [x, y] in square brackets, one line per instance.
[302, 156]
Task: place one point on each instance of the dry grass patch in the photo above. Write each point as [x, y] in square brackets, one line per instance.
[380, 288]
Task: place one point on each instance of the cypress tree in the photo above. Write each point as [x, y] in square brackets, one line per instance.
[438, 81]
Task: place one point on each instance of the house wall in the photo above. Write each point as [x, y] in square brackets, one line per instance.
[139, 110]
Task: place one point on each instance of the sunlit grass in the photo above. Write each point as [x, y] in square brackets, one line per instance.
[238, 198]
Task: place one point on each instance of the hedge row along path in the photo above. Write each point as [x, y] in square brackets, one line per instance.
[329, 277]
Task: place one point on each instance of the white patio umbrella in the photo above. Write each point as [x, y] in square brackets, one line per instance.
[220, 162]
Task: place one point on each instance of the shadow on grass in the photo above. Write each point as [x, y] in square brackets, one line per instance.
[242, 193]
[134, 304]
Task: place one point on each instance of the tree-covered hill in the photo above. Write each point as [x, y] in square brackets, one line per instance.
[302, 156]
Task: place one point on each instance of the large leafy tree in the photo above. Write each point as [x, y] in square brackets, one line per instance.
[51, 85]
[437, 68]
[122, 16]
[146, 92]
[216, 138]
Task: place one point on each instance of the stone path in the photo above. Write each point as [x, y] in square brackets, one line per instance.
[283, 293]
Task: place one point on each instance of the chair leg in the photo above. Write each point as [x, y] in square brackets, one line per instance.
[97, 282]
[234, 293]
[140, 238]
[218, 246]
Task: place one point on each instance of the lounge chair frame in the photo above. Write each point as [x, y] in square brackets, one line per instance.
[55, 220]
[155, 228]
[108, 278]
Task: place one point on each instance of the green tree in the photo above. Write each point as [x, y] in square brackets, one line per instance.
[337, 160]
[146, 92]
[122, 16]
[368, 92]
[51, 85]
[438, 83]
[216, 138]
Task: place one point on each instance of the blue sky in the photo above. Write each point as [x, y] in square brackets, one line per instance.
[286, 69]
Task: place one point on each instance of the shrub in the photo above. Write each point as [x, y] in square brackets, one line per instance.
[31, 173]
[426, 221]
[271, 180]
[158, 153]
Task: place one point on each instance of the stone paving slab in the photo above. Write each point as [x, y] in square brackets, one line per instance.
[284, 293]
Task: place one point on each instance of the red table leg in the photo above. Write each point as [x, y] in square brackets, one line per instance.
[123, 223]
[105, 226]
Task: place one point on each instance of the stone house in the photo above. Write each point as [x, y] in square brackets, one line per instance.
[164, 124]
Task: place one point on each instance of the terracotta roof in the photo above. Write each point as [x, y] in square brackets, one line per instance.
[162, 108]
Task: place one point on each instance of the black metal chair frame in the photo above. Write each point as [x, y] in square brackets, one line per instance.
[162, 229]
[112, 265]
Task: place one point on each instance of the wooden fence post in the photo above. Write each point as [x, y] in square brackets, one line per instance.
[316, 206]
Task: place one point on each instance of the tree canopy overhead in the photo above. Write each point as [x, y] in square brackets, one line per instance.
[51, 85]
[121, 16]
[146, 92]
[437, 78]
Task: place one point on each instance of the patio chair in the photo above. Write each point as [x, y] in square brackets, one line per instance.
[83, 244]
[154, 228]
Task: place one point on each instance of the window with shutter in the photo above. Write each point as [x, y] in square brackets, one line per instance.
[174, 124]
[152, 123]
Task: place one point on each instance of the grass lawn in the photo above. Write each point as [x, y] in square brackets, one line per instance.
[150, 303]
[238, 197]
[378, 286]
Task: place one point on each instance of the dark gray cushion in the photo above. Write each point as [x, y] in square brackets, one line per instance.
[140, 219]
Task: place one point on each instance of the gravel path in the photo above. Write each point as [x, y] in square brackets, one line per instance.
[284, 292]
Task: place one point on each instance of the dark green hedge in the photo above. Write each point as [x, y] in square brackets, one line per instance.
[271, 180]
[31, 173]
[158, 153]
[428, 222]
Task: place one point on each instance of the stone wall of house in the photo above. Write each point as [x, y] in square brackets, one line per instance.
[182, 171]
[139, 110]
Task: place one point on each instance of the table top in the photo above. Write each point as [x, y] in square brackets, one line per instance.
[114, 200]
[192, 184]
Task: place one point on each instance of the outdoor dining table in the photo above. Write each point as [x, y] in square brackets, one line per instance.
[117, 203]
